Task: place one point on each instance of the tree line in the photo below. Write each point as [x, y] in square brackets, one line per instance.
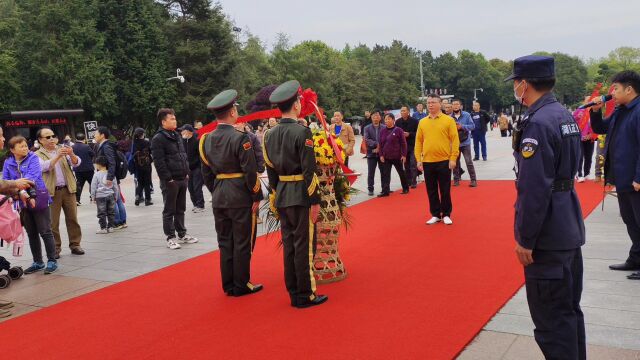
[113, 57]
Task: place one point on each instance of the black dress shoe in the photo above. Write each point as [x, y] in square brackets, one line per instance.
[148, 203]
[319, 299]
[456, 182]
[404, 192]
[77, 251]
[370, 193]
[634, 276]
[383, 194]
[473, 183]
[626, 266]
[248, 290]
[414, 186]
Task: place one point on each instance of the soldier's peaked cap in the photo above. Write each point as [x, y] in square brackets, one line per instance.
[223, 101]
[285, 92]
[532, 67]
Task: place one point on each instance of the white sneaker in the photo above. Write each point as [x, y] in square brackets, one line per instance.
[187, 239]
[172, 244]
[447, 220]
[580, 179]
[433, 220]
[102, 231]
[198, 210]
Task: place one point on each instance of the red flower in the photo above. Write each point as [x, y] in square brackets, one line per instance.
[320, 142]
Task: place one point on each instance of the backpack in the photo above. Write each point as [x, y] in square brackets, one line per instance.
[142, 158]
[121, 162]
[10, 226]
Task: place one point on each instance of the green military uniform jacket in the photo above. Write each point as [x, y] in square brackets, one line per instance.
[229, 168]
[288, 151]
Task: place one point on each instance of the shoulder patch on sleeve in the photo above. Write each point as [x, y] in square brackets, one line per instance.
[569, 129]
[246, 145]
[528, 147]
[308, 143]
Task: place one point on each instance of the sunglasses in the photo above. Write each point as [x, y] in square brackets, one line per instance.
[50, 137]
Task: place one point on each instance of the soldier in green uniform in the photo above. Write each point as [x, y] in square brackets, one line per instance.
[230, 173]
[291, 167]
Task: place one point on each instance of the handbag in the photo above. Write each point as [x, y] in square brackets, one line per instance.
[363, 147]
[42, 199]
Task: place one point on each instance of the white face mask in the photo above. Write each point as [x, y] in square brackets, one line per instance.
[519, 98]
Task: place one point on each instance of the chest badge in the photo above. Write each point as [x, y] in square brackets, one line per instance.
[308, 143]
[528, 148]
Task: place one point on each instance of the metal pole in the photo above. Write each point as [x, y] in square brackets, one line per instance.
[421, 78]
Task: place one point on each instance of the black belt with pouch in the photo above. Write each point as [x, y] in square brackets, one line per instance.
[562, 185]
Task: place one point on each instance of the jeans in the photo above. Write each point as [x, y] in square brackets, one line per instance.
[586, 158]
[38, 224]
[106, 212]
[385, 170]
[195, 187]
[174, 196]
[121, 212]
[143, 187]
[372, 163]
[82, 177]
[457, 172]
[438, 176]
[479, 140]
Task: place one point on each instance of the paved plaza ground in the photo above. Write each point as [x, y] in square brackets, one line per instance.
[611, 302]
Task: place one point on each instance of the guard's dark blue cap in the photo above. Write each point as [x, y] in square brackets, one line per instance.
[532, 67]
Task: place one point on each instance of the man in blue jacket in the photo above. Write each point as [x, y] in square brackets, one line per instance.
[465, 125]
[549, 228]
[621, 164]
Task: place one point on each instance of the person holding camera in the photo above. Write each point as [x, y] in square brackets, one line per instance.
[57, 164]
[35, 217]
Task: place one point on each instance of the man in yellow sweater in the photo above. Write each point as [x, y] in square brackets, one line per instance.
[437, 148]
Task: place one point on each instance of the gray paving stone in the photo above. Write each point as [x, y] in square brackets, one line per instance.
[94, 273]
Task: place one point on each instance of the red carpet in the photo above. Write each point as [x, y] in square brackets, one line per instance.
[413, 292]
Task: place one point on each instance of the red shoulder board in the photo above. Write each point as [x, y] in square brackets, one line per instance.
[247, 145]
[309, 143]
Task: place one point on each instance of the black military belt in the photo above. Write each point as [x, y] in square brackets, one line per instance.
[562, 185]
[61, 187]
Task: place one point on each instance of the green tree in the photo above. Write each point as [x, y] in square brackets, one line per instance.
[63, 62]
[203, 47]
[252, 71]
[138, 48]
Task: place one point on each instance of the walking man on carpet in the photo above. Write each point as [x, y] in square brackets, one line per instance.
[437, 148]
[465, 125]
[231, 175]
[291, 167]
[549, 227]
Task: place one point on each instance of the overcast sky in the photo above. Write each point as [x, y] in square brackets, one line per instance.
[497, 28]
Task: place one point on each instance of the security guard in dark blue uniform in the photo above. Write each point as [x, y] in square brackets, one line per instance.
[291, 167]
[549, 227]
[230, 173]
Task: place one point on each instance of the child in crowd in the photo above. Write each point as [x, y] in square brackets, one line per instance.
[104, 195]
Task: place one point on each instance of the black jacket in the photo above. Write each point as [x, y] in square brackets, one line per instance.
[105, 149]
[193, 152]
[86, 154]
[411, 126]
[141, 145]
[169, 155]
